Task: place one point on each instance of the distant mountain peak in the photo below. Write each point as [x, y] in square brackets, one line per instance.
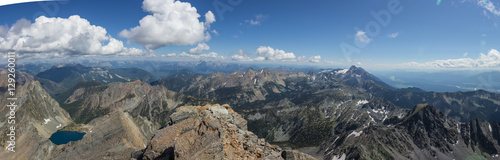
[250, 69]
[353, 67]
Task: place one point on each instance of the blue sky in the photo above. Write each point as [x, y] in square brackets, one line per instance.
[452, 34]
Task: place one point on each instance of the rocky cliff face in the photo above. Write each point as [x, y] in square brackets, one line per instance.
[37, 117]
[423, 133]
[211, 132]
[113, 136]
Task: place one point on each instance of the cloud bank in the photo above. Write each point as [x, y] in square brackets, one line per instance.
[211, 55]
[267, 53]
[61, 38]
[490, 60]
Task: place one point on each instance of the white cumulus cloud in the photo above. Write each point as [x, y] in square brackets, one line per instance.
[199, 49]
[246, 58]
[313, 59]
[267, 53]
[209, 17]
[489, 6]
[241, 55]
[172, 22]
[490, 60]
[241, 58]
[211, 55]
[362, 37]
[393, 35]
[215, 32]
[257, 20]
[61, 38]
[274, 54]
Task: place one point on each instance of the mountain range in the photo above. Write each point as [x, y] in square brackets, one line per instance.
[270, 114]
[69, 76]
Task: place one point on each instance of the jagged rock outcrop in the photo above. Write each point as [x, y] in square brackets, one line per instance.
[423, 133]
[37, 117]
[212, 132]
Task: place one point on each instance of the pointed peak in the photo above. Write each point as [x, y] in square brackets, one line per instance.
[353, 67]
[250, 69]
[423, 109]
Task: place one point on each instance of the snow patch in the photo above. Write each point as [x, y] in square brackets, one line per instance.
[489, 126]
[336, 157]
[355, 134]
[362, 102]
[326, 70]
[373, 120]
[330, 146]
[127, 79]
[341, 71]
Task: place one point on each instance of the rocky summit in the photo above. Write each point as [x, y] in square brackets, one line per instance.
[211, 132]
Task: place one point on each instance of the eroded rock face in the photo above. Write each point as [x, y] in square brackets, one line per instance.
[114, 136]
[423, 133]
[37, 117]
[212, 132]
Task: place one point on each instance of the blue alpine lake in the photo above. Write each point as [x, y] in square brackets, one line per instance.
[63, 137]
